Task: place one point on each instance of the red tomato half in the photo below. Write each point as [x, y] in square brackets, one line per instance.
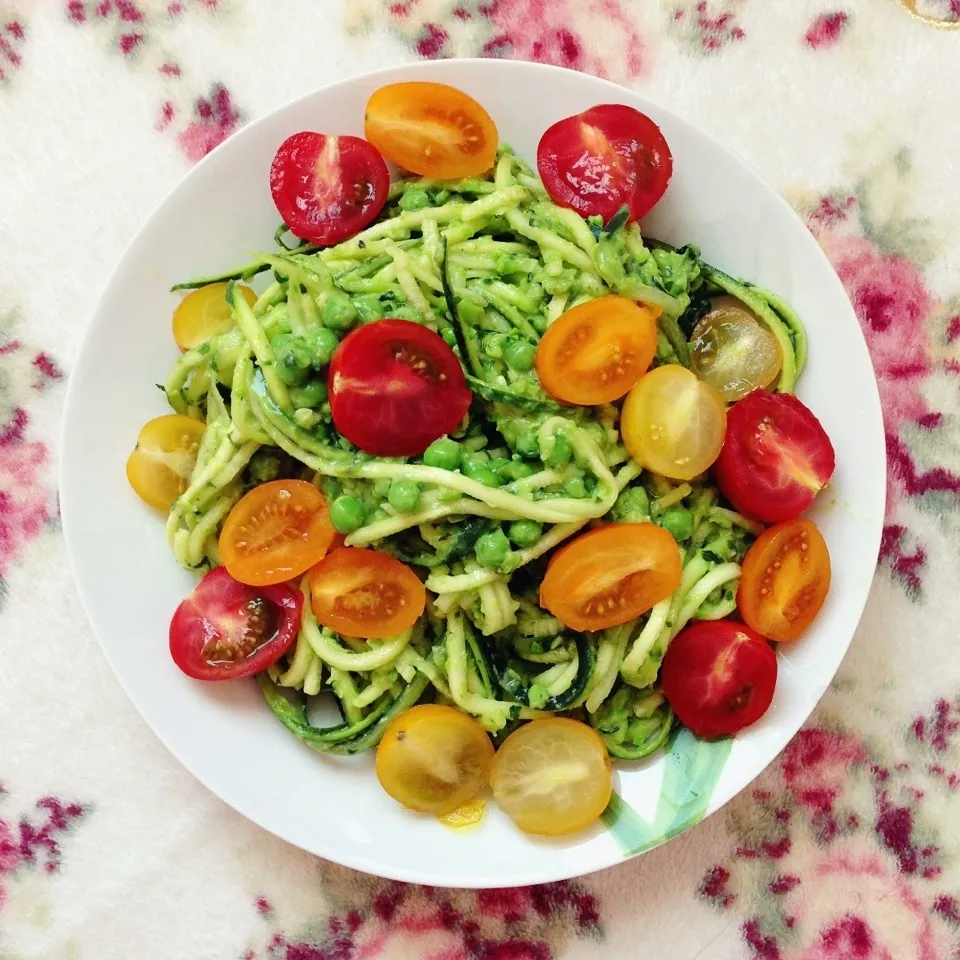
[328, 188]
[226, 629]
[719, 677]
[606, 157]
[775, 459]
[395, 387]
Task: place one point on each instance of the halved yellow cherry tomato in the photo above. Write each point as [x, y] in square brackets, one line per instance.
[596, 352]
[205, 313]
[431, 129]
[160, 466]
[552, 777]
[276, 532]
[434, 759]
[673, 423]
[733, 351]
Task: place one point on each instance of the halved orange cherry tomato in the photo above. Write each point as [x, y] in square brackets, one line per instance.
[160, 466]
[611, 575]
[363, 593]
[431, 129]
[205, 313]
[434, 759]
[784, 580]
[673, 423]
[552, 776]
[276, 532]
[596, 352]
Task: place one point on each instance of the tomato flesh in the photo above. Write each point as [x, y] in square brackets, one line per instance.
[363, 593]
[784, 580]
[160, 466]
[276, 532]
[611, 575]
[719, 677]
[434, 759]
[596, 352]
[226, 629]
[328, 188]
[432, 130]
[775, 459]
[395, 387]
[552, 776]
[604, 158]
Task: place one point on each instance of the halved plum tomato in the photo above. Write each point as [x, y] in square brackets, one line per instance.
[611, 575]
[225, 629]
[784, 580]
[363, 593]
[276, 532]
[604, 158]
[434, 759]
[431, 129]
[205, 313]
[328, 188]
[775, 459]
[166, 452]
[596, 352]
[395, 387]
[719, 677]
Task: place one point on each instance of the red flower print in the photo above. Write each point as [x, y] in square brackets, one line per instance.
[707, 27]
[215, 118]
[827, 30]
[816, 766]
[12, 35]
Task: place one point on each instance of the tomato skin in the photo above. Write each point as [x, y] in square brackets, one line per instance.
[205, 313]
[276, 532]
[160, 466]
[719, 677]
[776, 457]
[432, 130]
[784, 580]
[364, 593]
[225, 629]
[395, 387]
[611, 575]
[596, 352]
[328, 188]
[604, 158]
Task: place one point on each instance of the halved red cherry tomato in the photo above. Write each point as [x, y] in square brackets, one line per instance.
[276, 532]
[226, 629]
[719, 677]
[596, 352]
[395, 387]
[775, 459]
[606, 157]
[328, 188]
[611, 575]
[363, 593]
[784, 580]
[431, 129]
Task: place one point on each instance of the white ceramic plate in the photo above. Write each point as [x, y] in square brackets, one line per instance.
[224, 733]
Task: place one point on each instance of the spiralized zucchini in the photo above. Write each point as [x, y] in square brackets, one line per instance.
[488, 264]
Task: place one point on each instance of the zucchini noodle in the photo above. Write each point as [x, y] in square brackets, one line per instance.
[488, 264]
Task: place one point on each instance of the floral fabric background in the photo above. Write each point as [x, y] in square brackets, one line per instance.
[847, 848]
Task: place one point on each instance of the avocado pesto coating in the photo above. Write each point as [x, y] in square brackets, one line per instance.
[489, 264]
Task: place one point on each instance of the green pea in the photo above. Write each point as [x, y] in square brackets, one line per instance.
[292, 357]
[443, 454]
[527, 444]
[339, 313]
[403, 311]
[312, 394]
[381, 487]
[449, 337]
[561, 454]
[679, 522]
[576, 488]
[540, 323]
[498, 463]
[404, 495]
[516, 470]
[632, 506]
[520, 355]
[474, 462]
[470, 313]
[448, 495]
[524, 533]
[442, 196]
[368, 307]
[485, 476]
[414, 198]
[492, 345]
[322, 344]
[492, 549]
[264, 467]
[347, 514]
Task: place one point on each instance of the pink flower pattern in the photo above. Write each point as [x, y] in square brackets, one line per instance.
[707, 27]
[827, 30]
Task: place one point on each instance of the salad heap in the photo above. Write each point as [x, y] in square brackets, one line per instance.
[486, 464]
